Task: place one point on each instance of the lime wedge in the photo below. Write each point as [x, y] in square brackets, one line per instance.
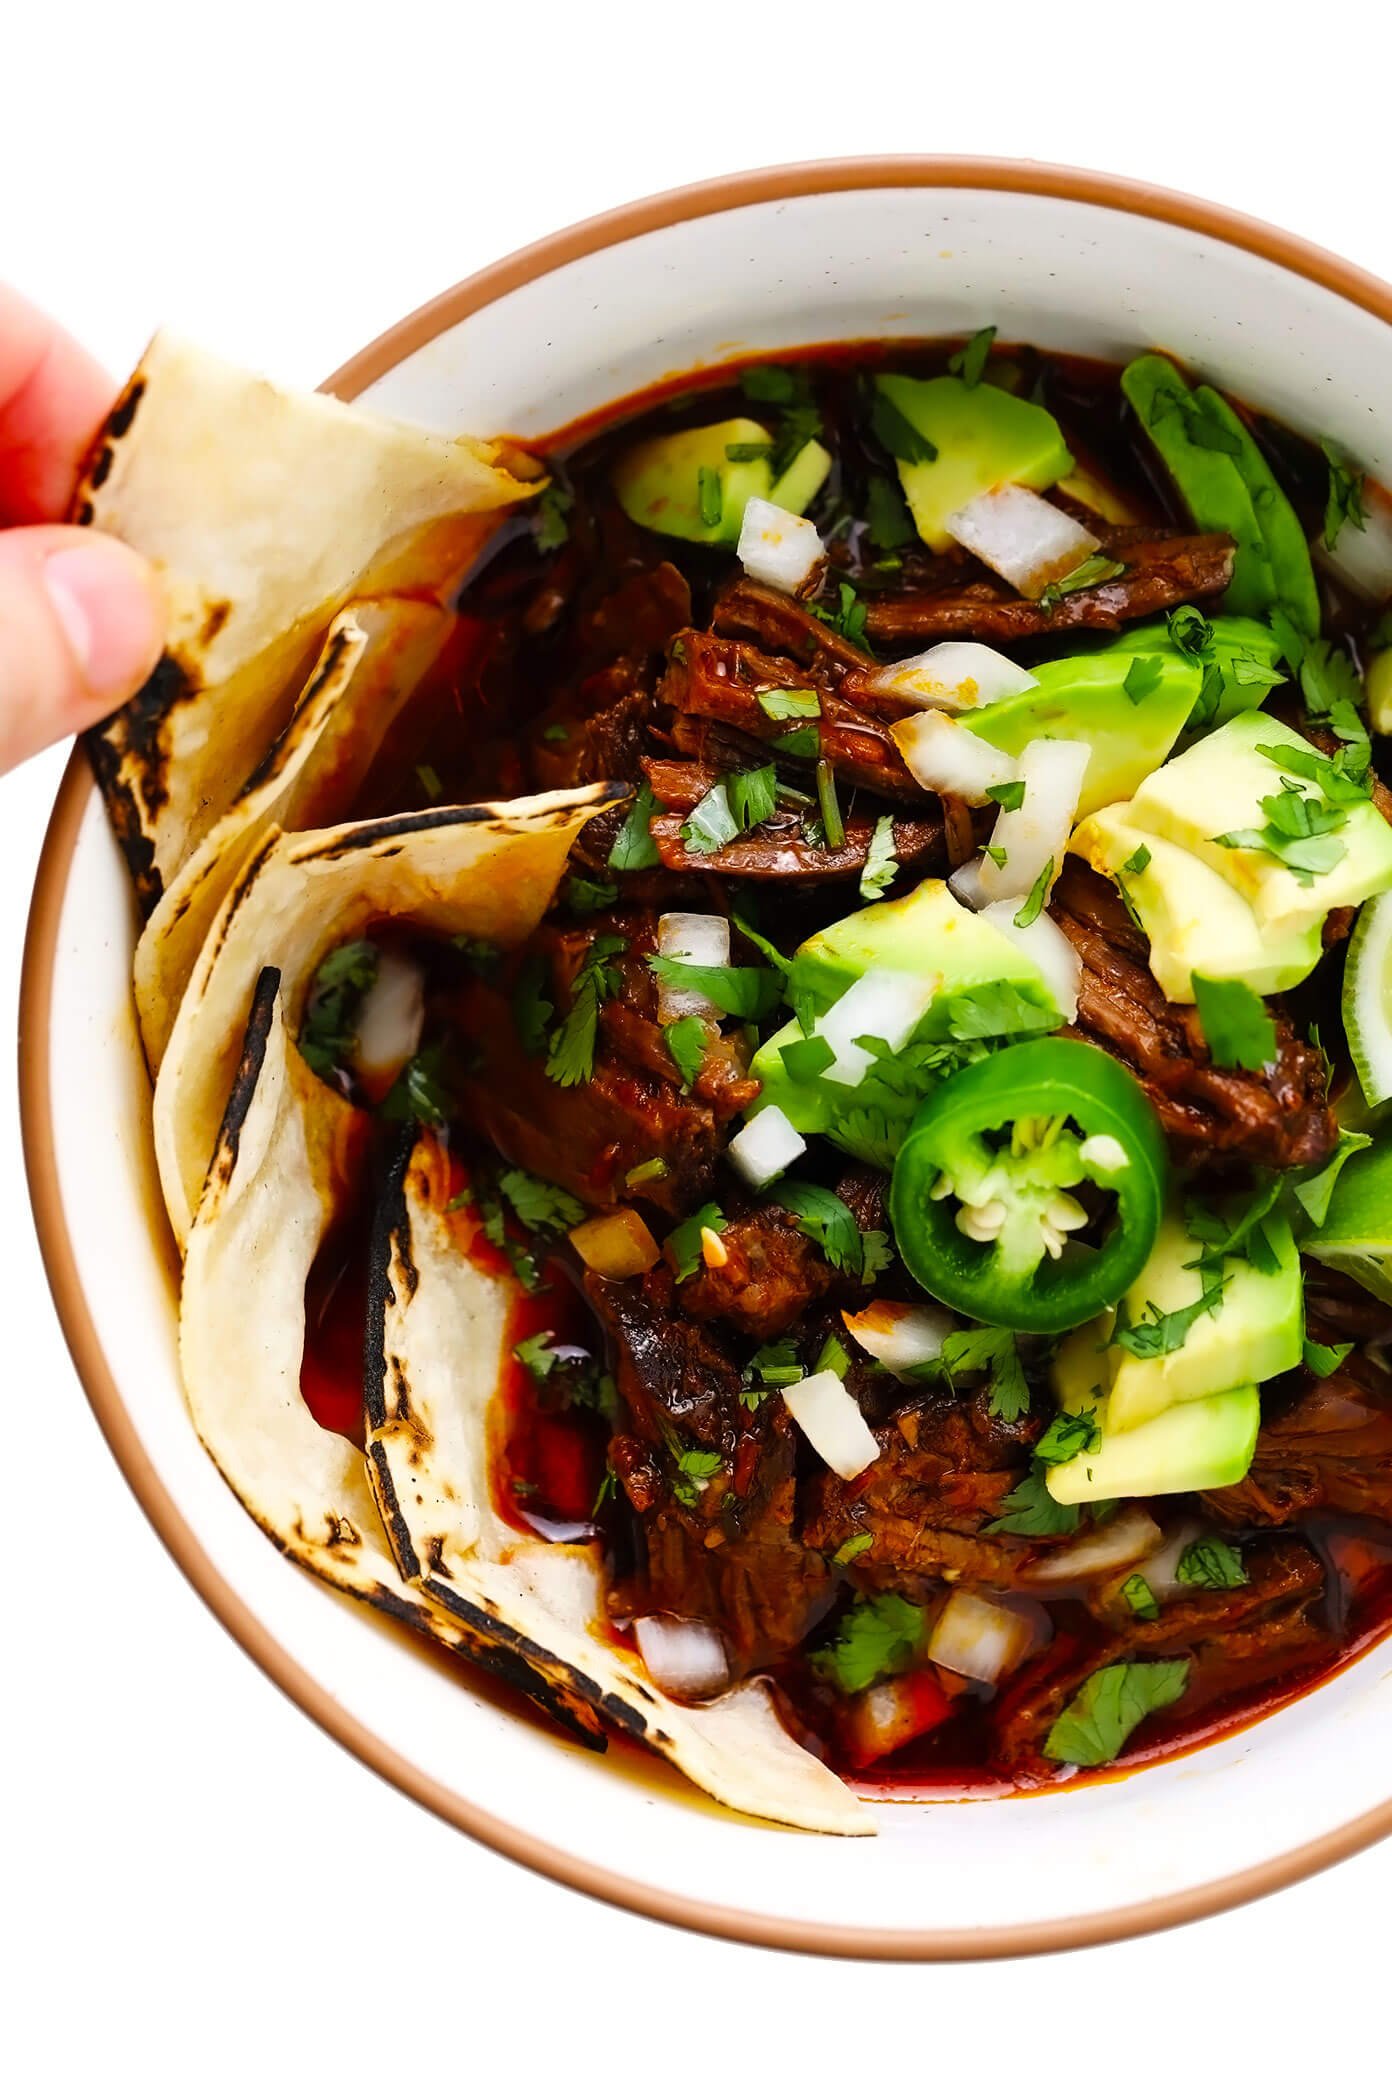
[1368, 999]
[1356, 1236]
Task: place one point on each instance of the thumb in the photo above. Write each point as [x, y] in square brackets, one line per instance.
[81, 624]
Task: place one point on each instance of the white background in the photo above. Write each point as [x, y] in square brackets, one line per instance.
[196, 1885]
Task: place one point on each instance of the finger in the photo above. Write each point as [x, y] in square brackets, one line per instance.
[53, 399]
[81, 621]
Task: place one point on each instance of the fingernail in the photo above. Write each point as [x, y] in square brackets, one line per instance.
[103, 597]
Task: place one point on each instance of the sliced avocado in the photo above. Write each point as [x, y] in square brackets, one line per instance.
[926, 932]
[984, 437]
[1188, 1449]
[1217, 788]
[802, 481]
[1255, 1330]
[1205, 475]
[1356, 1235]
[1085, 698]
[1239, 656]
[1287, 552]
[1196, 922]
[658, 482]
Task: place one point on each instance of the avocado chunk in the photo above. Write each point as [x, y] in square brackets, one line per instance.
[1283, 539]
[1196, 455]
[1241, 664]
[1187, 1449]
[1195, 922]
[928, 933]
[688, 485]
[1086, 698]
[1356, 1235]
[1254, 1330]
[983, 436]
[1217, 788]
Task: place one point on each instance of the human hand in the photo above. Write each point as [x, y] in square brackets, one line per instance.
[81, 619]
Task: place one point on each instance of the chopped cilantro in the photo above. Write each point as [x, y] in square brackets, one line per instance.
[1299, 832]
[1237, 1028]
[1108, 1708]
[1067, 1436]
[775, 1364]
[1038, 892]
[1322, 1358]
[1315, 1190]
[1233, 1233]
[804, 743]
[682, 1245]
[556, 734]
[1144, 676]
[878, 1635]
[744, 990]
[646, 1171]
[1344, 501]
[970, 1351]
[832, 1355]
[549, 517]
[570, 1057]
[586, 895]
[1009, 796]
[1344, 778]
[1091, 573]
[540, 1205]
[694, 1470]
[531, 1008]
[848, 618]
[790, 703]
[833, 825]
[969, 362]
[710, 496]
[881, 864]
[1139, 1597]
[887, 518]
[748, 452]
[687, 1040]
[430, 781]
[770, 384]
[326, 1033]
[1164, 1332]
[634, 847]
[761, 943]
[537, 1354]
[1211, 1562]
[419, 1094]
[822, 1215]
[1030, 1510]
[1135, 864]
[1190, 631]
[996, 1009]
[710, 825]
[753, 793]
[845, 1553]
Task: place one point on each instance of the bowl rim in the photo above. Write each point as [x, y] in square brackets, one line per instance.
[673, 206]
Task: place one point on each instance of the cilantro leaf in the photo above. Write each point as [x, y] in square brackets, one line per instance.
[1344, 501]
[1211, 1562]
[1030, 1510]
[531, 1007]
[634, 847]
[1091, 573]
[1314, 1192]
[710, 825]
[687, 1040]
[1344, 778]
[845, 1553]
[1038, 892]
[694, 1469]
[1164, 1332]
[745, 990]
[779, 704]
[327, 1037]
[1108, 1708]
[541, 1206]
[710, 496]
[1237, 1028]
[806, 1057]
[781, 964]
[549, 525]
[996, 1009]
[822, 1215]
[897, 434]
[1190, 631]
[992, 1351]
[881, 863]
[1009, 796]
[878, 1635]
[770, 384]
[1067, 1436]
[775, 1364]
[1299, 832]
[583, 896]
[537, 1355]
[682, 1245]
[570, 1057]
[1135, 864]
[1323, 1359]
[1144, 676]
[886, 516]
[969, 362]
[753, 794]
[847, 619]
[1140, 1597]
[419, 1094]
[804, 743]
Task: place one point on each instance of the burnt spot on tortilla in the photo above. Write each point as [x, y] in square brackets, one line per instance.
[223, 1163]
[341, 1531]
[400, 825]
[129, 760]
[435, 1559]
[96, 467]
[251, 870]
[213, 622]
[83, 512]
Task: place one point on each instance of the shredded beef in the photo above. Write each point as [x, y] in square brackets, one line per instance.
[1324, 1443]
[728, 1554]
[1277, 1118]
[956, 598]
[771, 1274]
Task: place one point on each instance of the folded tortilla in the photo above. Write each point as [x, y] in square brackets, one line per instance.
[436, 1327]
[264, 512]
[282, 1170]
[487, 871]
[373, 658]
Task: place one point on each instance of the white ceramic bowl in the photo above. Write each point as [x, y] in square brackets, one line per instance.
[760, 262]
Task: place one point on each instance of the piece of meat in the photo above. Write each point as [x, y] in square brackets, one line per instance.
[778, 623]
[595, 729]
[720, 679]
[1324, 1443]
[780, 850]
[957, 598]
[944, 1469]
[1277, 1118]
[723, 1080]
[1235, 1639]
[723, 1549]
[771, 1274]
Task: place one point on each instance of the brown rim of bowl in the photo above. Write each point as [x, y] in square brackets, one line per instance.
[828, 1938]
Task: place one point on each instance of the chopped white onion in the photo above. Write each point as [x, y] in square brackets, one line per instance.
[979, 1638]
[696, 939]
[832, 1423]
[780, 549]
[681, 1656]
[1028, 541]
[884, 1004]
[943, 755]
[767, 1144]
[899, 1336]
[1363, 557]
[390, 1018]
[1037, 832]
[1059, 963]
[965, 884]
[1127, 1536]
[956, 676]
